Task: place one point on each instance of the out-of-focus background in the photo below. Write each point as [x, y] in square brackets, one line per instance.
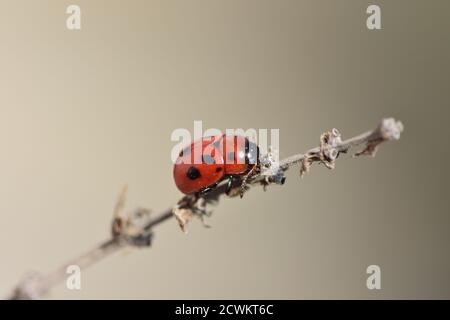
[84, 112]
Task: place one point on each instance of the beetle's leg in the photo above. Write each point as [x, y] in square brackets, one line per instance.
[206, 190]
[231, 180]
[229, 185]
[244, 181]
[233, 185]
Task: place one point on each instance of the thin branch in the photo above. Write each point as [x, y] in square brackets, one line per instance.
[135, 228]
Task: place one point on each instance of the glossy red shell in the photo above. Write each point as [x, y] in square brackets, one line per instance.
[233, 151]
[209, 160]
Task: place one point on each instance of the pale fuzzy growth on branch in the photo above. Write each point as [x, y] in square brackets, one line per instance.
[135, 228]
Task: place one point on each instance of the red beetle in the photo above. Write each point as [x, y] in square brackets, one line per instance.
[208, 161]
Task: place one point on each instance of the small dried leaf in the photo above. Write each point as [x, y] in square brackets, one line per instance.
[305, 165]
[183, 216]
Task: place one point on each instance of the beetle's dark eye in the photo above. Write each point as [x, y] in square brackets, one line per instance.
[208, 159]
[193, 173]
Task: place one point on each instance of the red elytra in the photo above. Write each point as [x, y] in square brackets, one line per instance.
[210, 160]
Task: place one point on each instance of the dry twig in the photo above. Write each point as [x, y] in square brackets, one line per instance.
[135, 228]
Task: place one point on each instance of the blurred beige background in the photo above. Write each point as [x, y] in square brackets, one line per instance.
[83, 112]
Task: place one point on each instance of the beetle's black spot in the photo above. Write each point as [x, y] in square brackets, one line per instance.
[193, 173]
[185, 152]
[218, 169]
[208, 159]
